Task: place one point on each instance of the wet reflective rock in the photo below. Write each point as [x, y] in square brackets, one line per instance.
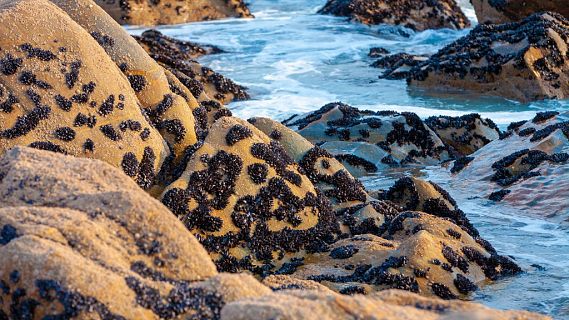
[414, 14]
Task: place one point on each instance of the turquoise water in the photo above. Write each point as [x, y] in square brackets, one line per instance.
[294, 61]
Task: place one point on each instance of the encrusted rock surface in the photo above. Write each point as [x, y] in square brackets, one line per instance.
[389, 304]
[414, 14]
[248, 203]
[178, 57]
[502, 11]
[397, 66]
[523, 61]
[56, 96]
[529, 162]
[173, 11]
[465, 134]
[365, 141]
[356, 211]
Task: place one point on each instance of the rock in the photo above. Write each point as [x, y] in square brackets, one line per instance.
[167, 104]
[151, 13]
[386, 305]
[178, 57]
[523, 61]
[85, 240]
[370, 140]
[284, 282]
[56, 94]
[357, 212]
[397, 66]
[414, 14]
[377, 52]
[529, 162]
[425, 254]
[247, 202]
[503, 11]
[465, 134]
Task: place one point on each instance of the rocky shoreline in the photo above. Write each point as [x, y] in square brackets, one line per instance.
[129, 190]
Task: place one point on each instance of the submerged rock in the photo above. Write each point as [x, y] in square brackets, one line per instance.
[178, 57]
[60, 91]
[414, 14]
[493, 11]
[523, 61]
[528, 167]
[173, 11]
[387, 305]
[248, 202]
[365, 141]
[465, 134]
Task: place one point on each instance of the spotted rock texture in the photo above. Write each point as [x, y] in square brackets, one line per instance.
[418, 252]
[150, 13]
[365, 141]
[247, 202]
[397, 66]
[528, 167]
[523, 61]
[414, 14]
[503, 11]
[167, 104]
[465, 134]
[81, 240]
[55, 95]
[178, 57]
[356, 211]
[386, 305]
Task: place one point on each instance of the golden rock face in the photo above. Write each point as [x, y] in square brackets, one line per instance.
[246, 201]
[57, 97]
[510, 10]
[173, 11]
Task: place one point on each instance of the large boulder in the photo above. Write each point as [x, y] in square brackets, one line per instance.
[414, 14]
[166, 102]
[60, 91]
[365, 141]
[503, 11]
[80, 239]
[385, 305]
[248, 202]
[173, 11]
[523, 61]
[528, 167]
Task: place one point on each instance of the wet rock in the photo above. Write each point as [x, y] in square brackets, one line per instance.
[248, 203]
[173, 11]
[503, 11]
[365, 141]
[377, 52]
[168, 105]
[425, 254]
[523, 61]
[178, 57]
[57, 95]
[465, 134]
[357, 212]
[414, 14]
[529, 162]
[398, 66]
[388, 305]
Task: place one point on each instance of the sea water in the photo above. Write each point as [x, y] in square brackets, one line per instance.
[295, 61]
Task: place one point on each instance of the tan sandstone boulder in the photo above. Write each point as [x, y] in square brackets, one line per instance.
[414, 14]
[247, 202]
[173, 11]
[56, 95]
[385, 305]
[503, 11]
[523, 61]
